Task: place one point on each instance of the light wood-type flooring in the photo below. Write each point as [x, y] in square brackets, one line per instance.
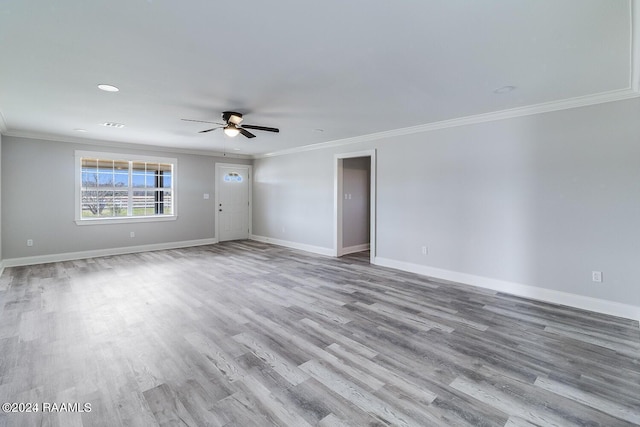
[249, 334]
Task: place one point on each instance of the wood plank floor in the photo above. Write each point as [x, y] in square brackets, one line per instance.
[249, 334]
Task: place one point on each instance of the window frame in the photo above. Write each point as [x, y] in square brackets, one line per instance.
[131, 158]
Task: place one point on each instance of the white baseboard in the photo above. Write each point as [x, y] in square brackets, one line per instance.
[354, 249]
[541, 294]
[294, 245]
[548, 295]
[69, 256]
[1, 267]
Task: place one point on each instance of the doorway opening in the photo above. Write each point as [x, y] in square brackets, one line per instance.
[355, 203]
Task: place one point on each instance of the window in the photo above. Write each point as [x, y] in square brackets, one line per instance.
[233, 177]
[117, 188]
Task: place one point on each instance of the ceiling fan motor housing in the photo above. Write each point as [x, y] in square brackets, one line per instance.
[232, 117]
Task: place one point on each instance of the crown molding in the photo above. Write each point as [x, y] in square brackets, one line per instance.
[565, 104]
[125, 145]
[632, 91]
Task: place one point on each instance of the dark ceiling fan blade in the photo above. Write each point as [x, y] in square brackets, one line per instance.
[260, 128]
[201, 121]
[246, 133]
[208, 130]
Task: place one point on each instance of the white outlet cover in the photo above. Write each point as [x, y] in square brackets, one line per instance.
[206, 196]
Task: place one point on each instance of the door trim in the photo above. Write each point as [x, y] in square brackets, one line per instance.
[249, 168]
[337, 201]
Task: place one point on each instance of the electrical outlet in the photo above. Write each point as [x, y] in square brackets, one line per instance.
[132, 234]
[425, 250]
[206, 196]
[29, 242]
[596, 276]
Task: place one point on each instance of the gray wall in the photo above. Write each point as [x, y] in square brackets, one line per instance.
[293, 199]
[38, 201]
[540, 200]
[355, 208]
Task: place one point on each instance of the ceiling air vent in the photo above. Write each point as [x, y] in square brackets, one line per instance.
[113, 125]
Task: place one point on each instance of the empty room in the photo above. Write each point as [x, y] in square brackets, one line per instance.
[320, 213]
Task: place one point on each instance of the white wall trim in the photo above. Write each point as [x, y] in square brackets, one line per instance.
[565, 104]
[1, 268]
[69, 256]
[541, 294]
[123, 145]
[338, 183]
[294, 245]
[356, 248]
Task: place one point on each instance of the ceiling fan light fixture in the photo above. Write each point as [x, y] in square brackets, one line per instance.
[231, 130]
[232, 127]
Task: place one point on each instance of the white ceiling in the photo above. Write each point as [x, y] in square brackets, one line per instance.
[350, 68]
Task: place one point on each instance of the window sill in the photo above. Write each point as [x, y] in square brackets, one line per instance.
[128, 220]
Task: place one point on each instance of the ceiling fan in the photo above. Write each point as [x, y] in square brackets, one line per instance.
[232, 125]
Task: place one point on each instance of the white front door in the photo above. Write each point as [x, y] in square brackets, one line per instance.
[232, 182]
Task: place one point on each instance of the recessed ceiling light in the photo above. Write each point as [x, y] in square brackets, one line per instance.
[112, 125]
[504, 89]
[108, 88]
[80, 130]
